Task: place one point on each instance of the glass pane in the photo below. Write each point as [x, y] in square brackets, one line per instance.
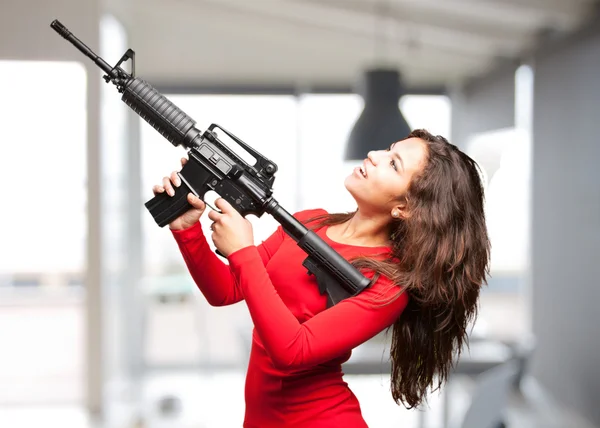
[266, 123]
[504, 156]
[432, 112]
[43, 229]
[326, 121]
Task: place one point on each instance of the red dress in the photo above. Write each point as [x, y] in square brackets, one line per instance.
[294, 376]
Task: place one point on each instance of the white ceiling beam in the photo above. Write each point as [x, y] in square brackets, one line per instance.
[559, 7]
[509, 20]
[255, 35]
[325, 15]
[460, 19]
[455, 15]
[223, 19]
[224, 45]
[283, 41]
[561, 14]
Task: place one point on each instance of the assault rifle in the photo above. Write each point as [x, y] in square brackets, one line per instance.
[213, 166]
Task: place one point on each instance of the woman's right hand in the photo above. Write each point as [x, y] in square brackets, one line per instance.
[191, 216]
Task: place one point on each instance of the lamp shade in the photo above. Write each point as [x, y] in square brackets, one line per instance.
[381, 123]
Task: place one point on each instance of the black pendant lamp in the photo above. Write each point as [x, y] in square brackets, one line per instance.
[381, 123]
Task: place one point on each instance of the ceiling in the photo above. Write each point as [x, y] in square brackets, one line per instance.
[326, 43]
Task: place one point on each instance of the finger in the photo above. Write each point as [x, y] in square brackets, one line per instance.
[168, 186]
[223, 205]
[195, 201]
[156, 189]
[214, 215]
[175, 179]
[183, 161]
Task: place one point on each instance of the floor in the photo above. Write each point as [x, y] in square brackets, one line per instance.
[188, 400]
[42, 366]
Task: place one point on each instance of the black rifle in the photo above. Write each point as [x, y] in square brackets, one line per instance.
[213, 166]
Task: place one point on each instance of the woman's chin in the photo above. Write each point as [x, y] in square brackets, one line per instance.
[350, 188]
[350, 184]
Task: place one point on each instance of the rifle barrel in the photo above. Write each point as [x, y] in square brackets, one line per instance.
[64, 32]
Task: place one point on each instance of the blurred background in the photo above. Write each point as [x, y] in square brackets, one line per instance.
[100, 324]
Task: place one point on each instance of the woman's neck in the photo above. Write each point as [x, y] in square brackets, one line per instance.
[371, 231]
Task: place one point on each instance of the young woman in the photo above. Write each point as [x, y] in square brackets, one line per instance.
[418, 231]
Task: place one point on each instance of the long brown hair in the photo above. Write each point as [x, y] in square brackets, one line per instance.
[440, 256]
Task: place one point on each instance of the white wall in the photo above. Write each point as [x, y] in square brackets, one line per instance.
[566, 223]
[25, 34]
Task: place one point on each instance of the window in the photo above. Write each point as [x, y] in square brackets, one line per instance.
[305, 137]
[43, 230]
[269, 125]
[505, 158]
[325, 124]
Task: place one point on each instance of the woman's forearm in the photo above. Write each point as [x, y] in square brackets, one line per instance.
[212, 276]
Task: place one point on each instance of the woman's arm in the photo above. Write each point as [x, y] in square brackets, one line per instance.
[327, 335]
[213, 277]
[211, 274]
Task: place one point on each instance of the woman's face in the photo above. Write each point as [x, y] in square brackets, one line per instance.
[385, 175]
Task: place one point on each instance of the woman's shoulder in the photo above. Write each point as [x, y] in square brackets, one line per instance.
[381, 293]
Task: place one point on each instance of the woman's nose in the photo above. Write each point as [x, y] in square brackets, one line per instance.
[372, 156]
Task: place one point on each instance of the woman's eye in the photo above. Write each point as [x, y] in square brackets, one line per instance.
[393, 165]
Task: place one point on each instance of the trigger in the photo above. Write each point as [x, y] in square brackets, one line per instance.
[213, 208]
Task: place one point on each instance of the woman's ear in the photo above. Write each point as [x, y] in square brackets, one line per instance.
[400, 212]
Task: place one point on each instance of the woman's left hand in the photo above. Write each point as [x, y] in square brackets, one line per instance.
[231, 231]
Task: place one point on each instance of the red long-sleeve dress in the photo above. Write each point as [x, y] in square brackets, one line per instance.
[294, 376]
